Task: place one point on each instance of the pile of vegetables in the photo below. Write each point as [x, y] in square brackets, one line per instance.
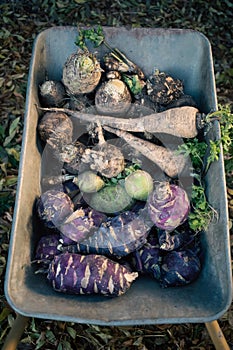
[113, 206]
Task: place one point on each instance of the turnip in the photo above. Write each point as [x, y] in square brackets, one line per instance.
[89, 182]
[47, 248]
[139, 185]
[147, 260]
[176, 239]
[81, 73]
[52, 93]
[79, 224]
[113, 98]
[168, 206]
[76, 226]
[111, 199]
[55, 129]
[90, 274]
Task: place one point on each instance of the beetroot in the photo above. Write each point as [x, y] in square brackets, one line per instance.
[53, 207]
[168, 206]
[179, 268]
[90, 274]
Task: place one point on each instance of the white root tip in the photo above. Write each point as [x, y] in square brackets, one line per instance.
[130, 277]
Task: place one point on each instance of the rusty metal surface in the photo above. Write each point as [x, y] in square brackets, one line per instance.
[185, 54]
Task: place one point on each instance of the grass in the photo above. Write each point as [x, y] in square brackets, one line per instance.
[20, 22]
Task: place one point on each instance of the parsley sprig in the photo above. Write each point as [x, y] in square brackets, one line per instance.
[202, 213]
[202, 155]
[129, 169]
[94, 35]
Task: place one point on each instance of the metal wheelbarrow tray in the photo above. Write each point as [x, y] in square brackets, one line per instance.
[185, 54]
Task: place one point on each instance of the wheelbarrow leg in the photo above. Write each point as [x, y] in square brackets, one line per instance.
[15, 333]
[217, 335]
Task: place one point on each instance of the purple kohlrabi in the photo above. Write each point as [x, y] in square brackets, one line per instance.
[168, 206]
[53, 207]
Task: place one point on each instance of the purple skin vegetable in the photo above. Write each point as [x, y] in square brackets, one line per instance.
[47, 248]
[179, 268]
[168, 206]
[79, 224]
[53, 207]
[71, 231]
[174, 240]
[117, 236]
[147, 260]
[89, 274]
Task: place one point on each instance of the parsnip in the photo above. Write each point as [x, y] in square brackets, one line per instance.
[166, 159]
[182, 121]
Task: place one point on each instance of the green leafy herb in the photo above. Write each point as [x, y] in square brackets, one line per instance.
[134, 83]
[94, 35]
[201, 155]
[213, 153]
[225, 117]
[194, 149]
[120, 177]
[201, 214]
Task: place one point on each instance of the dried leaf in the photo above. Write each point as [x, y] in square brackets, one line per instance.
[72, 332]
[138, 341]
[4, 314]
[12, 131]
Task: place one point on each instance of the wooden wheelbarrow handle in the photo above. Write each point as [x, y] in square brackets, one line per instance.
[15, 333]
[217, 335]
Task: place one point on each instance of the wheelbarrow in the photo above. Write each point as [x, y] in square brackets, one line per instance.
[185, 54]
